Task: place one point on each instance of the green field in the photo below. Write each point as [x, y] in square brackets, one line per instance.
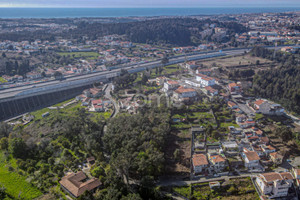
[89, 55]
[15, 184]
[167, 70]
[239, 189]
[2, 80]
[226, 124]
[68, 111]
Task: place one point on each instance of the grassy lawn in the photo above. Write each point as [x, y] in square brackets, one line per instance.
[90, 55]
[15, 184]
[167, 70]
[62, 103]
[170, 69]
[202, 115]
[2, 80]
[97, 115]
[184, 191]
[38, 113]
[239, 189]
[181, 125]
[68, 111]
[258, 116]
[226, 124]
[234, 61]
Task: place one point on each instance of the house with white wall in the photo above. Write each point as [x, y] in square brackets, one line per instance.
[200, 163]
[274, 184]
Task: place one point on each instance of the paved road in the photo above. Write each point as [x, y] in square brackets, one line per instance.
[107, 95]
[174, 182]
[13, 91]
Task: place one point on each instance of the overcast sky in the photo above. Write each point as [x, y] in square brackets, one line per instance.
[149, 3]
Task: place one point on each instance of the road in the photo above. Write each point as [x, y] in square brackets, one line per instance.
[108, 95]
[6, 93]
[11, 92]
[174, 182]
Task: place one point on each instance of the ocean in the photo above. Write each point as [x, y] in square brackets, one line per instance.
[130, 12]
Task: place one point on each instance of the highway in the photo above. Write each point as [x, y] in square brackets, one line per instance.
[11, 92]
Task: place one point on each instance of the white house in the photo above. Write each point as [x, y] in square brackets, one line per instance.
[97, 106]
[268, 149]
[211, 91]
[182, 92]
[274, 184]
[251, 159]
[200, 163]
[170, 85]
[218, 163]
[205, 80]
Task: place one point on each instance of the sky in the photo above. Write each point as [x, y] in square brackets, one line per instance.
[149, 3]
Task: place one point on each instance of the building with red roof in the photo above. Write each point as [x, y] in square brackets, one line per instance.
[200, 163]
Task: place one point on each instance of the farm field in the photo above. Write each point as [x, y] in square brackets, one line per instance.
[233, 189]
[87, 55]
[15, 184]
[234, 61]
[68, 110]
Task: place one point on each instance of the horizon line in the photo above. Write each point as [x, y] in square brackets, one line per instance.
[245, 6]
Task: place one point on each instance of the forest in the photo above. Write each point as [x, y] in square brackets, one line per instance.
[129, 155]
[175, 31]
[280, 84]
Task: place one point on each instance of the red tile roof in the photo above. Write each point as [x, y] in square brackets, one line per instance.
[276, 155]
[251, 155]
[217, 159]
[184, 90]
[199, 160]
[259, 102]
[171, 82]
[76, 184]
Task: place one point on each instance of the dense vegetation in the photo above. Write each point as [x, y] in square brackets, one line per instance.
[179, 31]
[13, 66]
[129, 154]
[282, 83]
[176, 31]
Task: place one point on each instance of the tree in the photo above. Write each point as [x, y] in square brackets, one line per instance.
[176, 154]
[57, 75]
[132, 196]
[165, 60]
[2, 192]
[284, 133]
[4, 143]
[97, 171]
[144, 79]
[17, 147]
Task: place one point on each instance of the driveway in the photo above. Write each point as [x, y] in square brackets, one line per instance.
[107, 95]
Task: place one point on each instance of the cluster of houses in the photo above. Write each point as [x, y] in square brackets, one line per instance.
[94, 100]
[178, 92]
[206, 158]
[247, 148]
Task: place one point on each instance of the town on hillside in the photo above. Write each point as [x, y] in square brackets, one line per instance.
[219, 126]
